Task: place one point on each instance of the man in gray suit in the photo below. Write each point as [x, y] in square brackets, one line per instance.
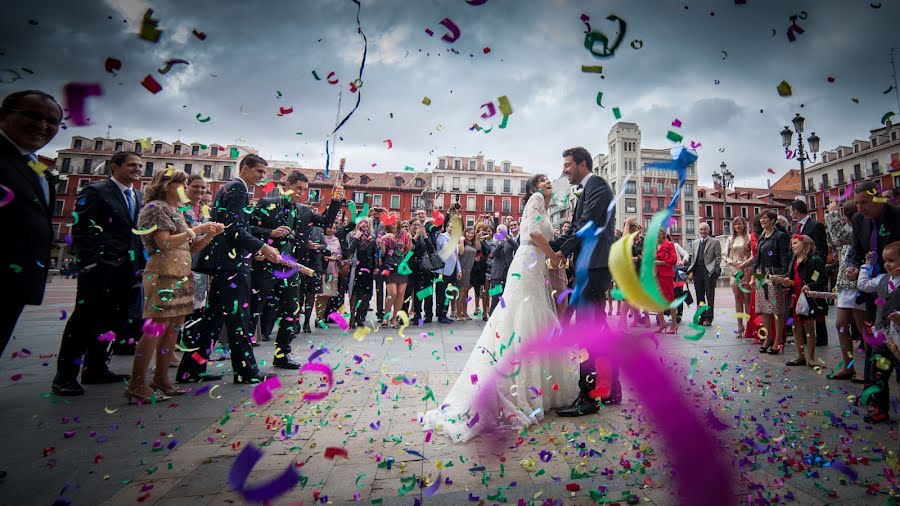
[706, 268]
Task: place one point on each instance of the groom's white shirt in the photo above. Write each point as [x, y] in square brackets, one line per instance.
[585, 179]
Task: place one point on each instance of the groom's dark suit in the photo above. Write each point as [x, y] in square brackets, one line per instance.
[592, 206]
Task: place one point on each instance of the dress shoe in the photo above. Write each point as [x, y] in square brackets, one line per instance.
[252, 380]
[100, 378]
[254, 344]
[795, 362]
[285, 363]
[67, 388]
[306, 329]
[266, 338]
[583, 405]
[205, 378]
[427, 319]
[444, 319]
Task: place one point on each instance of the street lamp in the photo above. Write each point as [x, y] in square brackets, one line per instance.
[724, 178]
[813, 140]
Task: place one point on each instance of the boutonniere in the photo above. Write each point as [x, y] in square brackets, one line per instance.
[49, 173]
[576, 192]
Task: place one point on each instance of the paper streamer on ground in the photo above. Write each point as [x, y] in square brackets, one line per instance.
[242, 468]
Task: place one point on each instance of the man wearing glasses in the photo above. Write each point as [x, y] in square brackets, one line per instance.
[28, 121]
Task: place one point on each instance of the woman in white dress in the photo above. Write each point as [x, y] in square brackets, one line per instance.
[530, 388]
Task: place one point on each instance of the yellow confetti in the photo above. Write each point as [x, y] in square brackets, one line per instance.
[815, 276]
[205, 211]
[109, 411]
[38, 167]
[426, 101]
[404, 318]
[743, 316]
[170, 168]
[211, 391]
[182, 196]
[145, 143]
[143, 231]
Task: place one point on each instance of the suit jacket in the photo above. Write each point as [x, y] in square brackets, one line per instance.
[816, 231]
[26, 220]
[307, 218]
[503, 256]
[233, 249]
[103, 233]
[594, 205]
[807, 271]
[712, 255]
[888, 232]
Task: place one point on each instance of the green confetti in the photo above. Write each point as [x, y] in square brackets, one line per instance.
[74, 218]
[674, 136]
[429, 395]
[617, 113]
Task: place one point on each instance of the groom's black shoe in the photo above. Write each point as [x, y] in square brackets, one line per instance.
[583, 405]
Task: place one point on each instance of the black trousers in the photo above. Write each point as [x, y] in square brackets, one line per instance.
[265, 305]
[590, 308]
[441, 302]
[423, 307]
[379, 296]
[495, 299]
[9, 315]
[104, 300]
[286, 293]
[879, 403]
[821, 332]
[705, 287]
[226, 306]
[361, 296]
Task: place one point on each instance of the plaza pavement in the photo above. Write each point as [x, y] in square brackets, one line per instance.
[96, 449]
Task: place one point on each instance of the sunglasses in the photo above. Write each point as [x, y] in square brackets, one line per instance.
[37, 117]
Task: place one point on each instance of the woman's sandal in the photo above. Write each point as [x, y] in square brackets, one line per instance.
[170, 391]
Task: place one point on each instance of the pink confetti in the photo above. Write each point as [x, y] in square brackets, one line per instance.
[16, 377]
[474, 378]
[107, 336]
[339, 319]
[695, 145]
[262, 392]
[153, 329]
[676, 123]
[75, 96]
[329, 378]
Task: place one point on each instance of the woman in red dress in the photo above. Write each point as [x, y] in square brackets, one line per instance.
[666, 258]
[755, 322]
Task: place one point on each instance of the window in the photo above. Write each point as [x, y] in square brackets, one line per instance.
[457, 164]
[214, 151]
[56, 230]
[689, 189]
[709, 211]
[631, 188]
[359, 197]
[439, 181]
[489, 185]
[226, 172]
[62, 186]
[58, 207]
[207, 171]
[674, 187]
[442, 163]
[470, 204]
[505, 166]
[646, 187]
[178, 149]
[506, 186]
[376, 199]
[630, 205]
[727, 212]
[188, 167]
[710, 223]
[82, 183]
[417, 202]
[76, 144]
[88, 164]
[522, 186]
[119, 146]
[148, 169]
[857, 172]
[395, 201]
[489, 204]
[840, 176]
[755, 210]
[812, 203]
[398, 181]
[893, 136]
[420, 182]
[727, 227]
[471, 184]
[138, 148]
[688, 207]
[195, 150]
[647, 205]
[809, 184]
[896, 181]
[471, 164]
[455, 184]
[825, 181]
[490, 166]
[315, 195]
[744, 212]
[659, 203]
[504, 205]
[875, 169]
[98, 145]
[66, 165]
[157, 148]
[470, 221]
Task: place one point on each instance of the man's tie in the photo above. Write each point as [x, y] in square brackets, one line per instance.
[799, 228]
[129, 199]
[45, 186]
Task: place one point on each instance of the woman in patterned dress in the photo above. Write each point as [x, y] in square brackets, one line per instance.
[168, 282]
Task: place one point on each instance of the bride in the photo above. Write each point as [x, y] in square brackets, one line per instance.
[537, 383]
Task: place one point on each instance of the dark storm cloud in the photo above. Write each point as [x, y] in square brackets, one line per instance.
[256, 49]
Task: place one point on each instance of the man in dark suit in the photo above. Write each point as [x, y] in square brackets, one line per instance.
[502, 256]
[594, 205]
[227, 260]
[283, 222]
[110, 258]
[28, 121]
[706, 268]
[806, 224]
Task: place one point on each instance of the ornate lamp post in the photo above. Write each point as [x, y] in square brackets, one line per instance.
[724, 178]
[787, 137]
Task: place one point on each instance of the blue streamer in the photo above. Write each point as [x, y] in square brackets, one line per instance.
[327, 158]
[682, 158]
[589, 236]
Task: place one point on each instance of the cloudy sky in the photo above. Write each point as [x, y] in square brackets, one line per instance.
[254, 50]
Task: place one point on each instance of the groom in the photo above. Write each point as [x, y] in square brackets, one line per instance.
[592, 206]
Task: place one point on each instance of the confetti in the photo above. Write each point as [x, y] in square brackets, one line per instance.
[593, 69]
[329, 377]
[7, 195]
[784, 89]
[149, 32]
[168, 65]
[426, 101]
[151, 85]
[112, 65]
[243, 466]
[198, 34]
[75, 96]
[201, 119]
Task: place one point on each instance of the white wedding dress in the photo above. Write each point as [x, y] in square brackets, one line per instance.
[530, 312]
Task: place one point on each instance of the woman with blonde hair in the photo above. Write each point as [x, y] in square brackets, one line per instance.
[168, 282]
[805, 273]
[738, 257]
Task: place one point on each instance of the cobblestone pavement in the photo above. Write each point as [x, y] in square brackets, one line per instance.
[786, 429]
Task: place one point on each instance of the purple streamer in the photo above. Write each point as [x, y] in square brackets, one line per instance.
[243, 466]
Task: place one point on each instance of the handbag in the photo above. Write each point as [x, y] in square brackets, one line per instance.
[802, 307]
[431, 261]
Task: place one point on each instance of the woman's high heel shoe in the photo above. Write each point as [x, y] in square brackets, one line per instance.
[764, 349]
[132, 396]
[171, 391]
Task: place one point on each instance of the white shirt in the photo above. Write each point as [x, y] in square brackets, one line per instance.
[802, 222]
[246, 186]
[128, 202]
[585, 179]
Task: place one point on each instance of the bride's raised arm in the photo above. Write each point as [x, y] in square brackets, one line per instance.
[533, 214]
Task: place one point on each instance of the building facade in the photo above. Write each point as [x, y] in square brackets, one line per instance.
[876, 159]
[647, 191]
[481, 186]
